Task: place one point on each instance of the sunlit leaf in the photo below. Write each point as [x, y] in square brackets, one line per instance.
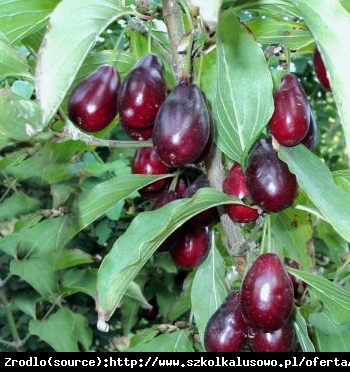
[243, 102]
[301, 331]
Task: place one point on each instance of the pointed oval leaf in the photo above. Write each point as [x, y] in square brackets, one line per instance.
[243, 103]
[331, 200]
[73, 28]
[209, 279]
[132, 250]
[20, 18]
[63, 331]
[301, 331]
[335, 299]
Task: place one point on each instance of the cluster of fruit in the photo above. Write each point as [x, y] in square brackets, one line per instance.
[258, 315]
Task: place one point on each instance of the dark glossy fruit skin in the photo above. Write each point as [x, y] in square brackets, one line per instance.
[92, 105]
[280, 340]
[193, 247]
[270, 183]
[210, 142]
[207, 217]
[310, 139]
[320, 69]
[147, 161]
[142, 91]
[226, 330]
[137, 134]
[290, 120]
[164, 198]
[182, 126]
[235, 184]
[267, 294]
[298, 284]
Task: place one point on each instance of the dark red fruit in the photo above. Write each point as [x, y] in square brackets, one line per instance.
[210, 143]
[92, 105]
[290, 120]
[267, 294]
[320, 69]
[181, 185]
[151, 314]
[310, 139]
[209, 216]
[193, 248]
[226, 330]
[142, 92]
[270, 183]
[147, 161]
[234, 184]
[166, 197]
[183, 125]
[280, 340]
[137, 134]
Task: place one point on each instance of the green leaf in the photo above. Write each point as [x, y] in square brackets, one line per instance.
[64, 258]
[292, 230]
[79, 280]
[330, 26]
[27, 303]
[335, 299]
[209, 279]
[19, 18]
[330, 336]
[293, 35]
[316, 180]
[18, 117]
[177, 341]
[243, 103]
[38, 272]
[72, 31]
[302, 334]
[64, 331]
[134, 292]
[17, 204]
[11, 63]
[132, 250]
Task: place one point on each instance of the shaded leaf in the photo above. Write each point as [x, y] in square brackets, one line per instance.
[17, 204]
[27, 303]
[64, 331]
[243, 103]
[11, 63]
[209, 280]
[79, 280]
[17, 116]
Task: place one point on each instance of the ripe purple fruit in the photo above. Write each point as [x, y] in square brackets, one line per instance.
[142, 91]
[147, 161]
[183, 126]
[290, 120]
[310, 139]
[193, 247]
[92, 104]
[320, 69]
[270, 183]
[267, 294]
[226, 330]
[280, 340]
[137, 134]
[235, 184]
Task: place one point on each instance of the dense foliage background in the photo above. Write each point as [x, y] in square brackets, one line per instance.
[79, 266]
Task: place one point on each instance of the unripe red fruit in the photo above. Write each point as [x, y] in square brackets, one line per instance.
[234, 184]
